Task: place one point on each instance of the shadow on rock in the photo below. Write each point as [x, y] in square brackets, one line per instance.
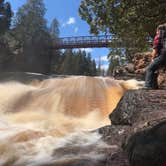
[148, 147]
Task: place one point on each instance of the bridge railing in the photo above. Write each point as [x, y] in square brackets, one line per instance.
[83, 41]
[87, 42]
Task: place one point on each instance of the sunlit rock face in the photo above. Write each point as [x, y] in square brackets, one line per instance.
[137, 69]
[50, 122]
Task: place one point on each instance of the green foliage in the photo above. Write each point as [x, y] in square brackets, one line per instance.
[132, 22]
[116, 58]
[29, 23]
[56, 58]
[54, 29]
[77, 63]
[26, 45]
[5, 19]
[31, 32]
[5, 16]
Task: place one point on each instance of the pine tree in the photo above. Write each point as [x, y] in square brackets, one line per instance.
[54, 29]
[94, 70]
[77, 63]
[132, 22]
[5, 16]
[67, 64]
[55, 54]
[31, 31]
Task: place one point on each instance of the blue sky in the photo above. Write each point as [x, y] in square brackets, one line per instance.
[66, 12]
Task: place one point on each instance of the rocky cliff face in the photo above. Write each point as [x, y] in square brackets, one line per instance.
[138, 129]
[137, 69]
[141, 61]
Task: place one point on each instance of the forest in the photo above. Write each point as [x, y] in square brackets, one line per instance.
[26, 38]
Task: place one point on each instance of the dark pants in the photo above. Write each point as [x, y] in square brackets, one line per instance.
[151, 74]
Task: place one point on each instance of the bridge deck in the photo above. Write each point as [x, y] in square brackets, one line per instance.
[83, 42]
[87, 42]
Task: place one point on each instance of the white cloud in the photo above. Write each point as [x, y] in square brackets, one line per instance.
[87, 50]
[76, 29]
[71, 20]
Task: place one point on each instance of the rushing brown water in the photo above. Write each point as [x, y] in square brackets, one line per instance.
[48, 122]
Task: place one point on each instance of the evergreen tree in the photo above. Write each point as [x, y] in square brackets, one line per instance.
[116, 58]
[5, 19]
[54, 29]
[89, 64]
[131, 22]
[55, 54]
[76, 66]
[83, 63]
[5, 16]
[31, 32]
[94, 70]
[67, 65]
[77, 63]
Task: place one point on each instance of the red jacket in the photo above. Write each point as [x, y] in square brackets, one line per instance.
[156, 41]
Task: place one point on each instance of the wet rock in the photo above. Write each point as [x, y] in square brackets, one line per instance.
[84, 156]
[126, 72]
[148, 147]
[139, 107]
[117, 159]
[143, 114]
[114, 134]
[77, 162]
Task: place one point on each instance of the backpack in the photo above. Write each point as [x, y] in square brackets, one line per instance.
[163, 36]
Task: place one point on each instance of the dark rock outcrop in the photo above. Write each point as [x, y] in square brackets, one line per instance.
[139, 127]
[139, 107]
[114, 136]
[148, 147]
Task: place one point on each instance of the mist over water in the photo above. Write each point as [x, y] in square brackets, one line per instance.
[50, 122]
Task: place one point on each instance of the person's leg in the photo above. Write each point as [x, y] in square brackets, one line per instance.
[154, 80]
[155, 65]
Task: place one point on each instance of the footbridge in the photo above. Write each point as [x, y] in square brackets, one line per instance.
[83, 42]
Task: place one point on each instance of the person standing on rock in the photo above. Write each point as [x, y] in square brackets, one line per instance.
[159, 57]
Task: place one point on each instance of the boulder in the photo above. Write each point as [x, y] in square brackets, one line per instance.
[139, 107]
[148, 147]
[141, 115]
